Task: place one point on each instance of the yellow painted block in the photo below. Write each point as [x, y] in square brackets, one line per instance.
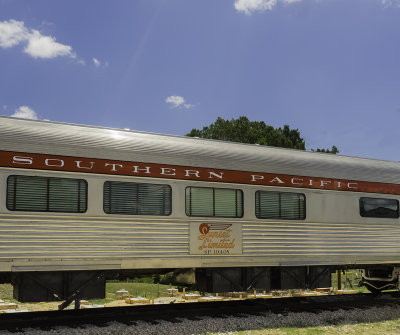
[91, 306]
[260, 296]
[190, 296]
[345, 291]
[137, 300]
[308, 294]
[8, 305]
[209, 299]
[122, 294]
[236, 294]
[173, 292]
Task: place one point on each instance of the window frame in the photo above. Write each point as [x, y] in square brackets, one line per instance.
[378, 217]
[280, 207]
[214, 188]
[14, 194]
[140, 183]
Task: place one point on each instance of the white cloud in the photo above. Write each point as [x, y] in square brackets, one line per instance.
[96, 62]
[40, 46]
[389, 3]
[14, 32]
[24, 112]
[249, 6]
[176, 101]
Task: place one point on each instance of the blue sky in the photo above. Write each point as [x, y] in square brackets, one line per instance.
[327, 67]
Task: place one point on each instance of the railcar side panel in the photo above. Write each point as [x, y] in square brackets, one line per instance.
[59, 241]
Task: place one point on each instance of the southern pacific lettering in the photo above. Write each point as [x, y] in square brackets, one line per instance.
[101, 166]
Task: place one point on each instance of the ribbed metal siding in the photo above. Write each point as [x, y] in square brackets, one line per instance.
[49, 237]
[56, 238]
[74, 140]
[318, 239]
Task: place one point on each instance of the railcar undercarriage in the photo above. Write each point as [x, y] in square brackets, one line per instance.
[262, 278]
[58, 286]
[74, 285]
[378, 279]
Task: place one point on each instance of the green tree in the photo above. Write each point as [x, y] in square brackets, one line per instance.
[254, 132]
[334, 150]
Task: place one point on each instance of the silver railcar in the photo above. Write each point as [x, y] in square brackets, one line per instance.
[80, 203]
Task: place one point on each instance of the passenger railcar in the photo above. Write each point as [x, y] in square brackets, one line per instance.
[79, 204]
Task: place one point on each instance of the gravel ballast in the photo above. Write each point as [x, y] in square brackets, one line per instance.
[231, 324]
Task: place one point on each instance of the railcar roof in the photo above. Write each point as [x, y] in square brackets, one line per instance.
[47, 137]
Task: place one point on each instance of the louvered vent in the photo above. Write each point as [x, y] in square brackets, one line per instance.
[137, 198]
[280, 205]
[43, 194]
[216, 202]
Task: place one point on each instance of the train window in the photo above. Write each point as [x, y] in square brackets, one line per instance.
[215, 202]
[379, 208]
[280, 205]
[137, 198]
[45, 194]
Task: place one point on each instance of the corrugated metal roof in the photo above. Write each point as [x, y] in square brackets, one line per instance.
[106, 143]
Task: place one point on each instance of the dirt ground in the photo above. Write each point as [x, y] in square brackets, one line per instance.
[53, 306]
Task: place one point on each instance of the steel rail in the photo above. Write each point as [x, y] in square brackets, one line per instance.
[192, 310]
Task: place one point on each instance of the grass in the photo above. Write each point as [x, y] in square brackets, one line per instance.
[146, 290]
[349, 280]
[377, 328]
[6, 292]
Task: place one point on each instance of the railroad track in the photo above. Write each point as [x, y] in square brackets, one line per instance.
[194, 311]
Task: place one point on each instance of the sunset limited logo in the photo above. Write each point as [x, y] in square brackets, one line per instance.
[216, 238]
